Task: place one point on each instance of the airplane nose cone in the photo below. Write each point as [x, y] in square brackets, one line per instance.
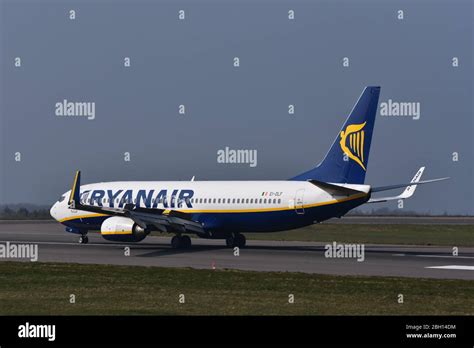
[53, 211]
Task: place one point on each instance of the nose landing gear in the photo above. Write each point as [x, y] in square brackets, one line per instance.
[83, 239]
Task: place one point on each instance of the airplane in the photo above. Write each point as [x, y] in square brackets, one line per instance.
[127, 211]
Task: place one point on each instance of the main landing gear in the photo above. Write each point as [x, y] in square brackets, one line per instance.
[180, 242]
[235, 240]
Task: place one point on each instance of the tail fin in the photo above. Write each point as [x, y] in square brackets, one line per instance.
[346, 161]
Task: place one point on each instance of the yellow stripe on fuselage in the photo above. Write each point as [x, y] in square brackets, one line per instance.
[75, 217]
[263, 210]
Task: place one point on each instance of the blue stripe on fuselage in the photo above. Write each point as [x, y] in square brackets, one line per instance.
[271, 221]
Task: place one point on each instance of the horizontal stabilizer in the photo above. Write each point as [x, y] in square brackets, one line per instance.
[392, 187]
[409, 188]
[334, 189]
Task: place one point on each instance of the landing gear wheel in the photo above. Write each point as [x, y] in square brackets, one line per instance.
[229, 241]
[180, 242]
[185, 242]
[175, 242]
[235, 240]
[240, 241]
[83, 240]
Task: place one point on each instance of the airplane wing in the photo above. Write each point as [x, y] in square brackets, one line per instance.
[161, 219]
[407, 193]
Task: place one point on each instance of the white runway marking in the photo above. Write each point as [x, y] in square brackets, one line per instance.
[30, 233]
[65, 243]
[442, 256]
[459, 267]
[447, 256]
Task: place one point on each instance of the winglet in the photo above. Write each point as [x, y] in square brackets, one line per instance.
[75, 191]
[410, 190]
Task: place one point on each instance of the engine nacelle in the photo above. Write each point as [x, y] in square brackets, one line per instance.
[122, 229]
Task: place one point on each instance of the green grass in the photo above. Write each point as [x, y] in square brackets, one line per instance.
[452, 235]
[40, 288]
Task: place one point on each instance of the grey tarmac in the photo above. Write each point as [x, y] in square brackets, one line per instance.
[55, 245]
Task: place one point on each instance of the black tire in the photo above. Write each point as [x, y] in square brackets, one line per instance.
[240, 241]
[229, 241]
[175, 242]
[83, 240]
[185, 242]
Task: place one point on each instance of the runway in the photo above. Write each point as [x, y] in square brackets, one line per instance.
[55, 245]
[404, 220]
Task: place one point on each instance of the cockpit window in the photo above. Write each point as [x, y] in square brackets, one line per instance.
[61, 198]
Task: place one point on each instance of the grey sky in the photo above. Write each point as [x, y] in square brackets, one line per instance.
[190, 62]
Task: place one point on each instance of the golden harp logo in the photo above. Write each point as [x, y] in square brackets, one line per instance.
[352, 142]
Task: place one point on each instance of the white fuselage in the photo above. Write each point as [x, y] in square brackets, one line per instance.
[267, 205]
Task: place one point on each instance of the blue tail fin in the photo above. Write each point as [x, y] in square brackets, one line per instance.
[346, 161]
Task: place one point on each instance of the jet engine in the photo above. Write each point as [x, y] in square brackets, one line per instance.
[122, 229]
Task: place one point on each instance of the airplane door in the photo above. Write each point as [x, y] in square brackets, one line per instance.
[299, 208]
